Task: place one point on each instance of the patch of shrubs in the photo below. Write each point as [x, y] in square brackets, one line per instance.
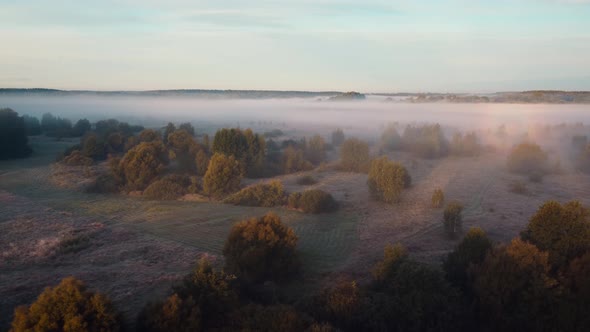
[306, 180]
[76, 158]
[313, 201]
[264, 194]
[163, 190]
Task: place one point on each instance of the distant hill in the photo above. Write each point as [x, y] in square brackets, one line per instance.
[517, 97]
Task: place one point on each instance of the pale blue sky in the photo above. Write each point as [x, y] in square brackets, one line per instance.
[369, 45]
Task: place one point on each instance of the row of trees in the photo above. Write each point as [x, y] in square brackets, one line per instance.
[14, 142]
[538, 282]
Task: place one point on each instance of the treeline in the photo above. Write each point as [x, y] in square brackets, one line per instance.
[540, 281]
[429, 141]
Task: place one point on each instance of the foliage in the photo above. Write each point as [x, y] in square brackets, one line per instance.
[518, 187]
[338, 137]
[338, 304]
[93, 148]
[169, 129]
[141, 165]
[56, 127]
[294, 161]
[306, 180]
[246, 146]
[438, 198]
[201, 162]
[264, 194]
[184, 149]
[149, 135]
[164, 190]
[465, 145]
[471, 251]
[76, 158]
[452, 218]
[527, 158]
[259, 249]
[188, 127]
[13, 136]
[68, 306]
[354, 155]
[391, 139]
[561, 230]
[387, 180]
[427, 141]
[315, 150]
[81, 127]
[313, 201]
[32, 125]
[513, 289]
[223, 176]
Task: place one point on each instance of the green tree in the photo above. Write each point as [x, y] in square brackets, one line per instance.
[452, 218]
[260, 249]
[68, 306]
[561, 230]
[354, 155]
[223, 176]
[387, 180]
[13, 135]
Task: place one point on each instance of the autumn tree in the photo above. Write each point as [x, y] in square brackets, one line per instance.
[188, 127]
[513, 288]
[315, 150]
[68, 306]
[527, 158]
[293, 160]
[14, 142]
[387, 179]
[260, 249]
[169, 129]
[354, 155]
[223, 176]
[142, 165]
[561, 230]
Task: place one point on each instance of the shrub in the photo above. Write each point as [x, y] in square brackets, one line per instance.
[68, 306]
[261, 249]
[306, 180]
[223, 176]
[264, 194]
[142, 165]
[354, 155]
[164, 190]
[527, 158]
[452, 218]
[14, 142]
[76, 158]
[387, 180]
[313, 201]
[438, 198]
[93, 148]
[561, 230]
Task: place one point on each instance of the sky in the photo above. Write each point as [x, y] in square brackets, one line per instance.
[314, 45]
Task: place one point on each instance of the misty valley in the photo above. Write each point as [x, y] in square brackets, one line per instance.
[293, 213]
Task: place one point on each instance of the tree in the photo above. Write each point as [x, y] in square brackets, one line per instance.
[188, 127]
[438, 198]
[465, 145]
[338, 137]
[527, 158]
[81, 127]
[184, 149]
[293, 161]
[246, 146]
[169, 129]
[390, 138]
[561, 230]
[13, 136]
[315, 150]
[513, 288]
[48, 123]
[149, 135]
[260, 249]
[142, 165]
[92, 147]
[32, 125]
[470, 252]
[223, 176]
[201, 162]
[354, 155]
[576, 302]
[452, 218]
[68, 306]
[387, 180]
[427, 141]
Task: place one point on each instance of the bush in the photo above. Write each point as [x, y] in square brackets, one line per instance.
[264, 194]
[261, 249]
[223, 176]
[354, 155]
[452, 218]
[313, 201]
[142, 165]
[438, 198]
[68, 306]
[76, 158]
[527, 158]
[14, 142]
[306, 180]
[387, 180]
[164, 190]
